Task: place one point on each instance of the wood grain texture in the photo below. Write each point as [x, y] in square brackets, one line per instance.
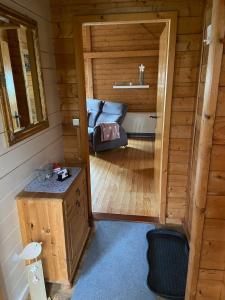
[60, 222]
[187, 56]
[121, 217]
[159, 179]
[211, 284]
[119, 54]
[87, 45]
[207, 219]
[18, 162]
[108, 71]
[122, 181]
[197, 121]
[83, 143]
[118, 50]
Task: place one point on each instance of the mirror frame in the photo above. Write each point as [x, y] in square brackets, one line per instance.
[15, 137]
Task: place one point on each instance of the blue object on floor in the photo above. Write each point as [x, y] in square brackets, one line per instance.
[115, 265]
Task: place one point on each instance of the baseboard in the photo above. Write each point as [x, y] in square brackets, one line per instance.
[122, 217]
[150, 135]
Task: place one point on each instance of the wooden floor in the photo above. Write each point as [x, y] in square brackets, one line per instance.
[122, 181]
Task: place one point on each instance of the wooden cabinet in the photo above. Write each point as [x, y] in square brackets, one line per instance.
[60, 221]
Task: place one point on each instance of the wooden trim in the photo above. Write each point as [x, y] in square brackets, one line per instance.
[121, 217]
[5, 110]
[15, 17]
[84, 144]
[172, 31]
[191, 165]
[187, 233]
[81, 253]
[205, 145]
[29, 131]
[34, 74]
[133, 86]
[5, 106]
[167, 115]
[88, 64]
[15, 137]
[130, 18]
[119, 54]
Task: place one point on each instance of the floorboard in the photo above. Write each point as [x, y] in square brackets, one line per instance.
[122, 180]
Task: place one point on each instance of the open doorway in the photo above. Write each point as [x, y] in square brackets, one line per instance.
[122, 178]
[129, 183]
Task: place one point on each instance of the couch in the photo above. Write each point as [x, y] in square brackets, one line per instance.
[105, 112]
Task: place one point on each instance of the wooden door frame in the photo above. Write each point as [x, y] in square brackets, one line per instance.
[127, 18]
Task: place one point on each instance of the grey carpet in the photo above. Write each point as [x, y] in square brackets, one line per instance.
[115, 265]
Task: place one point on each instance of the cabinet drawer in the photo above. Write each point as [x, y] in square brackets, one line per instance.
[76, 221]
[76, 197]
[61, 222]
[73, 201]
[77, 227]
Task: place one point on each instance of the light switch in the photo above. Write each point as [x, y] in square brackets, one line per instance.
[76, 122]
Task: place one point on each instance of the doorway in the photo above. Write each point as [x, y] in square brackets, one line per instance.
[164, 95]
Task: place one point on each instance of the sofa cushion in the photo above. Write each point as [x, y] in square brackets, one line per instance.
[108, 118]
[94, 107]
[112, 112]
[90, 133]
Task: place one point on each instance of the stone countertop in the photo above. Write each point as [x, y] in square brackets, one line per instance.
[51, 185]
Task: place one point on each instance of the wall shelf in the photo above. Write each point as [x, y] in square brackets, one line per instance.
[144, 86]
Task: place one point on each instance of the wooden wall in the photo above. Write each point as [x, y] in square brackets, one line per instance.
[107, 71]
[18, 163]
[198, 115]
[206, 216]
[211, 281]
[187, 60]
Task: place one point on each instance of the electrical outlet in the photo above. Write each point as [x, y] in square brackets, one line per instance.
[76, 122]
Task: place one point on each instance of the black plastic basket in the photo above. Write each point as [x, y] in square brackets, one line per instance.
[168, 262]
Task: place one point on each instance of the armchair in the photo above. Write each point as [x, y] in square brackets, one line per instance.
[105, 112]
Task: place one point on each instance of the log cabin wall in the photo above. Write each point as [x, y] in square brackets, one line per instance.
[19, 162]
[198, 115]
[108, 71]
[187, 60]
[206, 216]
[211, 279]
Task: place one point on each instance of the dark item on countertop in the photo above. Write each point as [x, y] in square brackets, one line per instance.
[63, 174]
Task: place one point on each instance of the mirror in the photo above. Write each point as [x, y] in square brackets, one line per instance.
[21, 83]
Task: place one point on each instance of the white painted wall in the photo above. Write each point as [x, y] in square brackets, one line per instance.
[17, 163]
[139, 122]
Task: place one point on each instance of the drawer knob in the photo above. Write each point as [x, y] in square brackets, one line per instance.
[78, 191]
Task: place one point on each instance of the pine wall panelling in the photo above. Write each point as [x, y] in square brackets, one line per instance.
[17, 163]
[198, 115]
[212, 260]
[187, 60]
[206, 278]
[124, 41]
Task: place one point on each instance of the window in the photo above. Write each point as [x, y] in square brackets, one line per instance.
[21, 83]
